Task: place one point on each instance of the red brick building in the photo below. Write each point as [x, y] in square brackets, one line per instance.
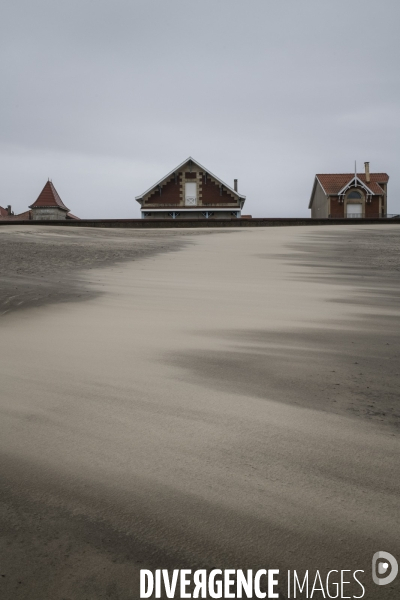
[349, 195]
[190, 191]
[7, 214]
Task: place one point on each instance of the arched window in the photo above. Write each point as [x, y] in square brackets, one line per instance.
[354, 195]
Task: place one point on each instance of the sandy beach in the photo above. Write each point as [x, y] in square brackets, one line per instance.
[196, 399]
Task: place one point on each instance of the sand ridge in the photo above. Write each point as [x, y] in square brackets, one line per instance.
[41, 266]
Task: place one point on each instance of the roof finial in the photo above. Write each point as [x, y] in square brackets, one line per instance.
[355, 173]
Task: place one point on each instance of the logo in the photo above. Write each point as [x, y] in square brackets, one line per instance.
[385, 564]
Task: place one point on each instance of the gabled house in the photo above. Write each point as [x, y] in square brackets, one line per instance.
[190, 191]
[349, 195]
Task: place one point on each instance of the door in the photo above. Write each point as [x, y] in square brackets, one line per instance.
[354, 211]
[190, 194]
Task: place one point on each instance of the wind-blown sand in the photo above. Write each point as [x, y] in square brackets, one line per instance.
[225, 399]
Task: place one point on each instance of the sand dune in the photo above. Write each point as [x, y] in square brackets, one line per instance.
[225, 399]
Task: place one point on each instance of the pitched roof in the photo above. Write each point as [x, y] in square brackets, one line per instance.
[332, 183]
[49, 197]
[25, 216]
[138, 198]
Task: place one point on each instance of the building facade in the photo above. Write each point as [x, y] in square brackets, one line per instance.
[349, 195]
[190, 191]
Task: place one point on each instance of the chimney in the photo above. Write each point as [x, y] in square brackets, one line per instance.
[367, 177]
[9, 211]
[235, 185]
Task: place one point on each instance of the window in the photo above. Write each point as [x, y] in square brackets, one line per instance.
[190, 194]
[354, 211]
[355, 195]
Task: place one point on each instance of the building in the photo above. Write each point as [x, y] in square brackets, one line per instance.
[48, 206]
[349, 195]
[190, 191]
[7, 214]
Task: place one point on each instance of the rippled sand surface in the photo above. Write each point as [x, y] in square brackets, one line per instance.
[196, 399]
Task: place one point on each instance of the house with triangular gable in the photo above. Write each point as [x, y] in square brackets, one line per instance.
[190, 191]
[349, 195]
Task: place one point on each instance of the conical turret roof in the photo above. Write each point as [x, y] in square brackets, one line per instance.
[49, 197]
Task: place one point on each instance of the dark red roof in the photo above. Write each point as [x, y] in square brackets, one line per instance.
[334, 182]
[49, 197]
[3, 212]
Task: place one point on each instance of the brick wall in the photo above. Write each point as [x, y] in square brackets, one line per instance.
[337, 208]
[211, 194]
[169, 193]
[372, 208]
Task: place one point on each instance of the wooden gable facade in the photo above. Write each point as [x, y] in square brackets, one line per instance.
[191, 192]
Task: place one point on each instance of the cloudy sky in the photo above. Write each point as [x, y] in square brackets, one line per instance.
[105, 97]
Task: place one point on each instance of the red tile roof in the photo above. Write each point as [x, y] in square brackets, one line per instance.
[49, 197]
[334, 182]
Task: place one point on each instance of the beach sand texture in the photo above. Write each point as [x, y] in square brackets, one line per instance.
[189, 399]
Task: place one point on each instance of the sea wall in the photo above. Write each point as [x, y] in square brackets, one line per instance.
[176, 223]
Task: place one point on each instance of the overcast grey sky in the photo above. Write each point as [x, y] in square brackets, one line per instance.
[105, 97]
